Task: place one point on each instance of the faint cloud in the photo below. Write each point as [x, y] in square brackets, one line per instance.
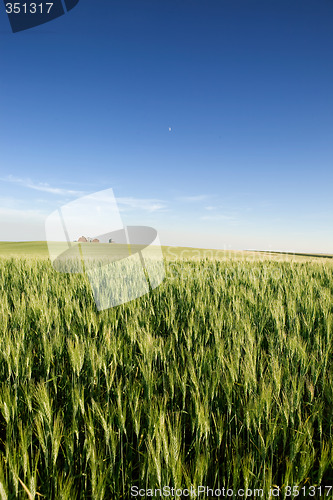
[22, 224]
[199, 197]
[41, 186]
[20, 213]
[11, 207]
[145, 204]
[217, 217]
[9, 202]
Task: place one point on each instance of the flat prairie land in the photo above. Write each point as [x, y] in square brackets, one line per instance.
[23, 248]
[221, 376]
[170, 253]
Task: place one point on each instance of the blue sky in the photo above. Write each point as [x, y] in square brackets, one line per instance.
[88, 100]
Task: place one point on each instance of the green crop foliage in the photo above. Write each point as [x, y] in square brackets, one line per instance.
[222, 376]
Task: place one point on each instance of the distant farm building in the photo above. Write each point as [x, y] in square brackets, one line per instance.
[84, 239]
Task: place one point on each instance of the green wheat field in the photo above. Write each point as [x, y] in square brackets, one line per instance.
[221, 376]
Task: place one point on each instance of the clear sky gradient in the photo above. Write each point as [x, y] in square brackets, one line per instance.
[212, 120]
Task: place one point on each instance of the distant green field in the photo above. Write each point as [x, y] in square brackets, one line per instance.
[23, 248]
[170, 253]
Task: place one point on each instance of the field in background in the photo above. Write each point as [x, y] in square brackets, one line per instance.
[222, 376]
[23, 248]
[40, 249]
